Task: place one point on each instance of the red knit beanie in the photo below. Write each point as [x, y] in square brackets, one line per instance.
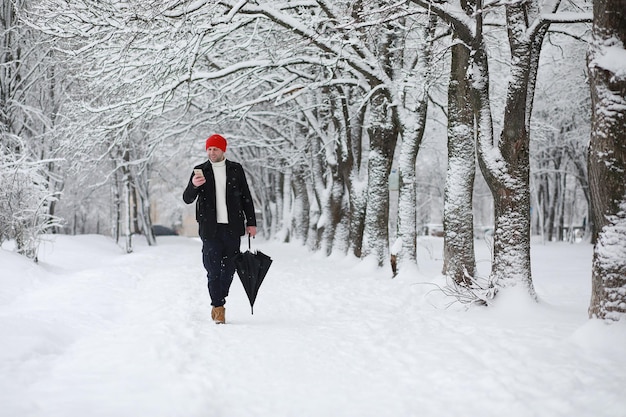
[217, 141]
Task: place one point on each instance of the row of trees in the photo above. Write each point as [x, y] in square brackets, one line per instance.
[28, 134]
[321, 99]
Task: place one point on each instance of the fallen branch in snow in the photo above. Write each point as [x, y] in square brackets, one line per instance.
[479, 292]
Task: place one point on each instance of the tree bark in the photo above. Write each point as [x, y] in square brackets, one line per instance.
[607, 160]
[301, 206]
[383, 135]
[459, 262]
[412, 124]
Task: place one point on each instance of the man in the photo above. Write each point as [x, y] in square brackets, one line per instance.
[225, 212]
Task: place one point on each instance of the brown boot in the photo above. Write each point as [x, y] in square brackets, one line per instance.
[218, 314]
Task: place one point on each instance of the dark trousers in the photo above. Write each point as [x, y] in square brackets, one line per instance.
[218, 256]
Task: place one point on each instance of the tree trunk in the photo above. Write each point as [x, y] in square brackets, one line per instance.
[319, 218]
[281, 189]
[458, 218]
[552, 203]
[583, 180]
[507, 172]
[383, 135]
[143, 207]
[301, 206]
[334, 209]
[412, 117]
[562, 179]
[286, 210]
[358, 205]
[116, 219]
[128, 242]
[607, 160]
[355, 182]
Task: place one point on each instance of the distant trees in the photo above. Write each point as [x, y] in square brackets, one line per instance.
[112, 129]
[561, 127]
[607, 158]
[30, 177]
[357, 76]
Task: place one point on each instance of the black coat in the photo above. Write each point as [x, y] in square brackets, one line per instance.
[238, 200]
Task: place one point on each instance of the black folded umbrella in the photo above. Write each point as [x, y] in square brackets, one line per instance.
[252, 268]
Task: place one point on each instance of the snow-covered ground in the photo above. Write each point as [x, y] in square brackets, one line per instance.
[90, 331]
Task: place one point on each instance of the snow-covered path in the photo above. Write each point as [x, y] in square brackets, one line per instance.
[94, 332]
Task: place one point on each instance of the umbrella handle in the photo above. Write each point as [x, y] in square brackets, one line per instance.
[249, 248]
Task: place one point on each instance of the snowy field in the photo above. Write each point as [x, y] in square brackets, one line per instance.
[90, 331]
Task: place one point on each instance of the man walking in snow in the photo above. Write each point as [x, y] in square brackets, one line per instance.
[225, 212]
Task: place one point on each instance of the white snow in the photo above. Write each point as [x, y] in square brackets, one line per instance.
[612, 58]
[91, 331]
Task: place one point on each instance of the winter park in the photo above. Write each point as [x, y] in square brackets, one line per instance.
[408, 208]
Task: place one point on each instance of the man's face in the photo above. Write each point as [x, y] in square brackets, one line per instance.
[215, 154]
